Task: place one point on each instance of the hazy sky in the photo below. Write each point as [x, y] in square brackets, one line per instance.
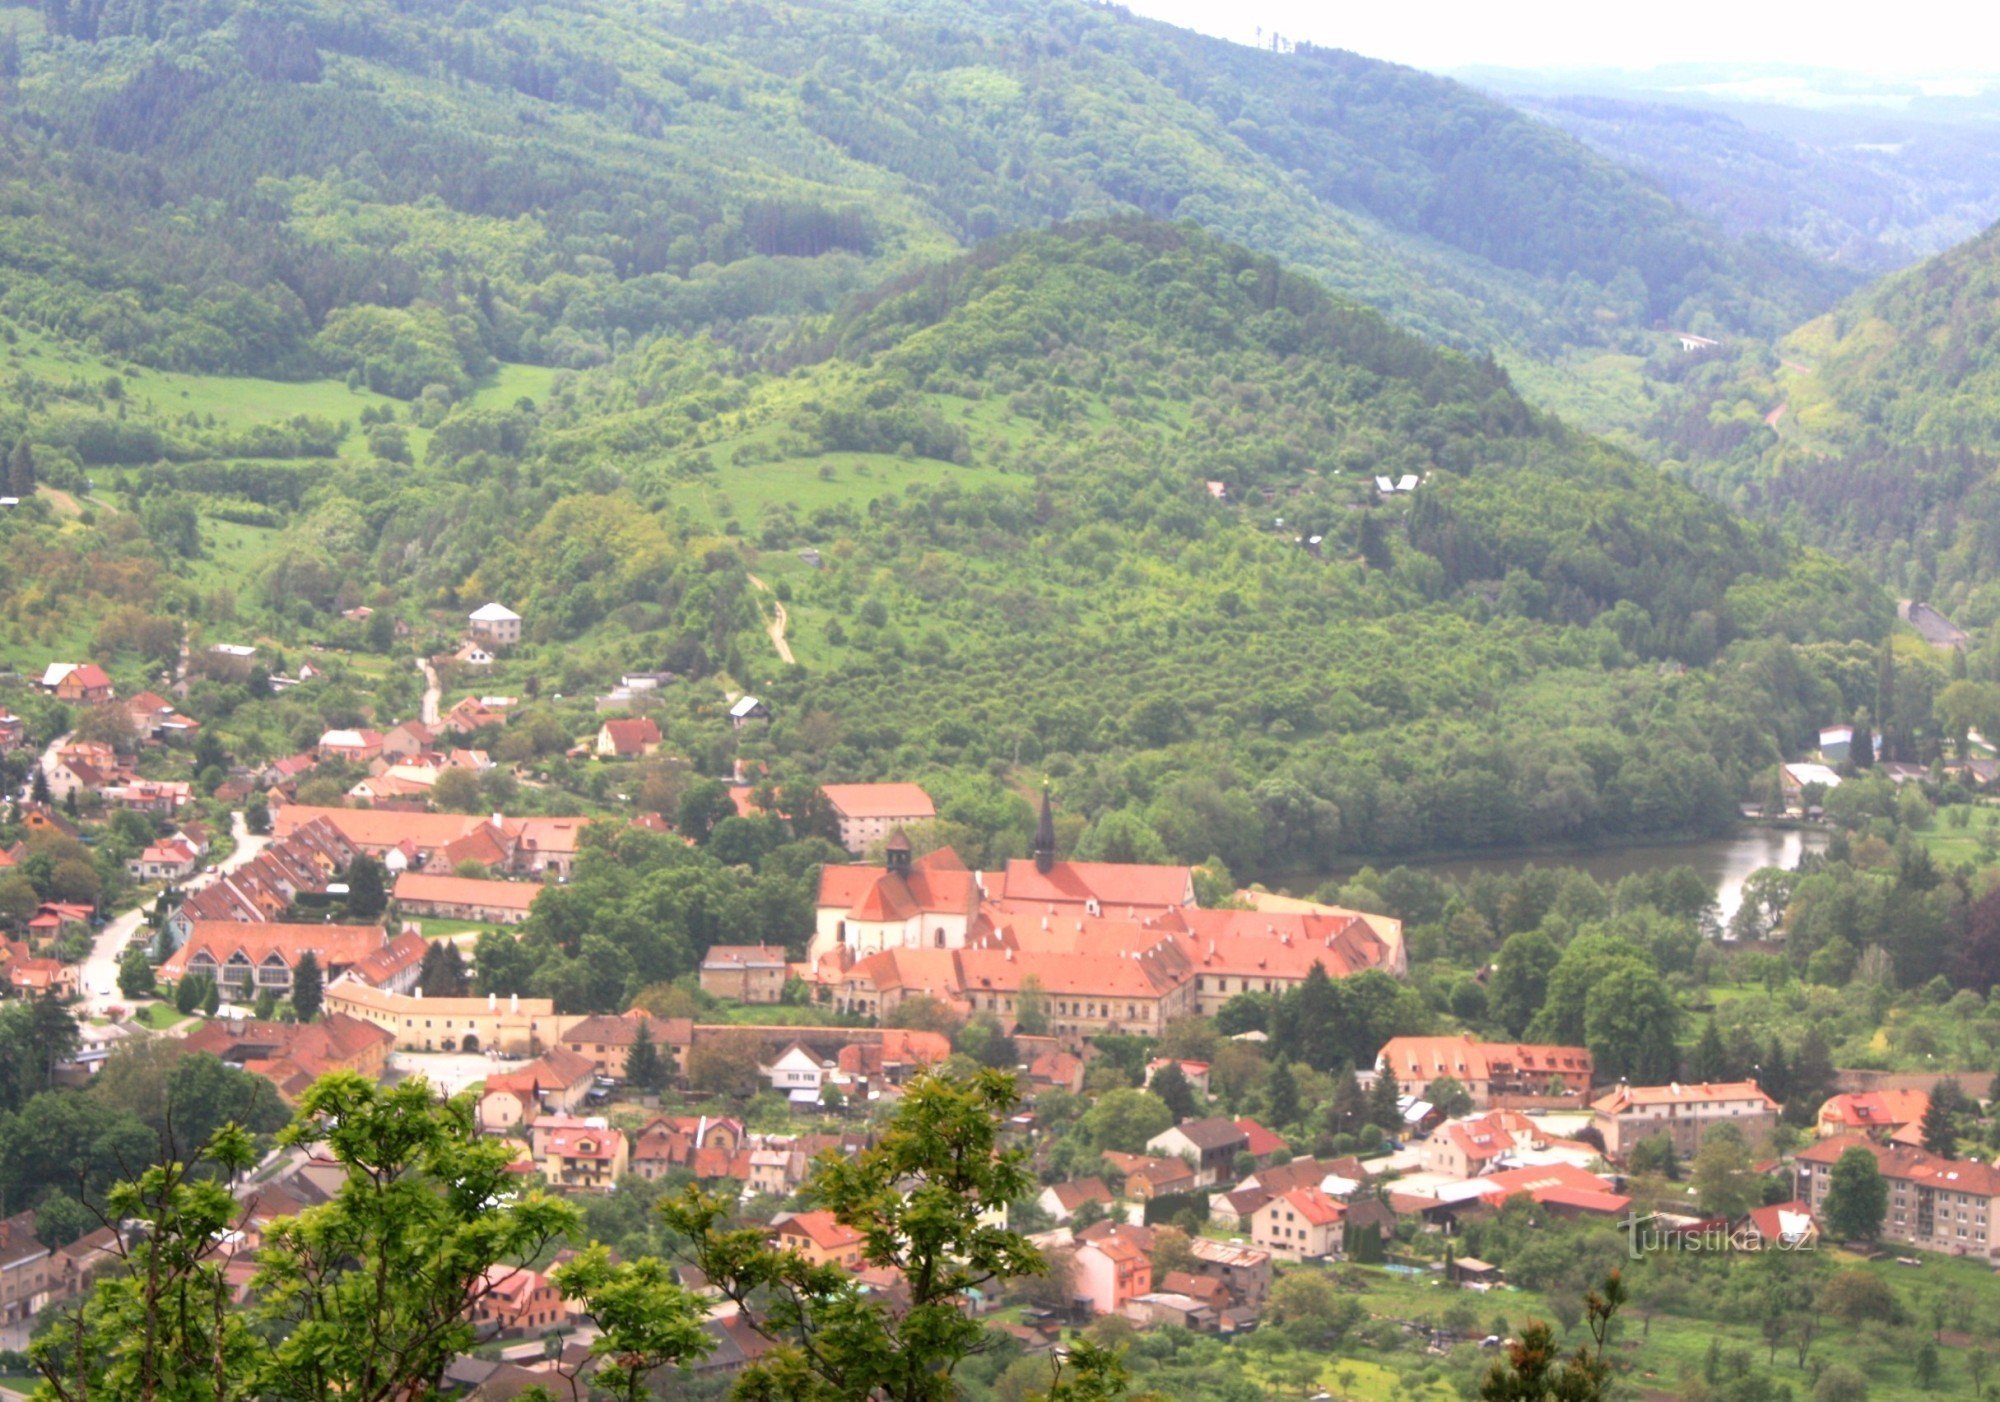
[1889, 37]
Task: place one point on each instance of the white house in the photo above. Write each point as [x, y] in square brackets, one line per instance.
[496, 624]
[797, 1074]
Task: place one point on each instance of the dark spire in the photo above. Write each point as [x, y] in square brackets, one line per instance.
[897, 851]
[1045, 837]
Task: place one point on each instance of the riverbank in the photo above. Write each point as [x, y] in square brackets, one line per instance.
[1724, 862]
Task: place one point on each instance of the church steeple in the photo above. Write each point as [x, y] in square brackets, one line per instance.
[1045, 837]
[896, 851]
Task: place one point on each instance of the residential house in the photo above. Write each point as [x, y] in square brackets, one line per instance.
[699, 1143]
[1145, 1176]
[1563, 1188]
[746, 710]
[1784, 1226]
[88, 684]
[588, 1159]
[27, 1270]
[1835, 742]
[1795, 779]
[1301, 1224]
[1057, 1070]
[819, 1237]
[153, 717]
[1111, 1271]
[1208, 1146]
[556, 1082]
[1936, 1203]
[1245, 1270]
[13, 731]
[1492, 1073]
[627, 739]
[1195, 1073]
[292, 1055]
[230, 661]
[744, 973]
[1062, 1201]
[465, 898]
[869, 813]
[1683, 1112]
[1168, 1307]
[514, 1302]
[1880, 1114]
[37, 977]
[495, 624]
[797, 1074]
[395, 967]
[171, 859]
[608, 1040]
[347, 746]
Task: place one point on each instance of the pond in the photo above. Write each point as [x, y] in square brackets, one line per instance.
[1725, 862]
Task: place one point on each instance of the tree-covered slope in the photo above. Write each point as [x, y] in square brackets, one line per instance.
[1889, 435]
[409, 189]
[1544, 641]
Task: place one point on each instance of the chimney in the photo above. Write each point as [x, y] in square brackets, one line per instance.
[492, 1001]
[513, 1002]
[417, 992]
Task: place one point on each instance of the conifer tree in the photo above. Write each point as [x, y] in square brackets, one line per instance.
[644, 1067]
[21, 471]
[1282, 1092]
[1383, 1111]
[308, 987]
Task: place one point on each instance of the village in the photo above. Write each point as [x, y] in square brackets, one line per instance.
[304, 938]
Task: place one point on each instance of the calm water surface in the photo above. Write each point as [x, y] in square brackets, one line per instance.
[1724, 862]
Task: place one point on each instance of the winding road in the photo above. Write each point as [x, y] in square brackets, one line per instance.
[97, 975]
[776, 627]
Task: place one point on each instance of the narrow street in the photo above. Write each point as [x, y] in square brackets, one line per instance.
[97, 976]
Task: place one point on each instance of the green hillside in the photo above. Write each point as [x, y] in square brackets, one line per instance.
[1886, 447]
[408, 192]
[1545, 640]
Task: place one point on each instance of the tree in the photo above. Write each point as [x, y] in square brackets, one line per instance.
[135, 974]
[1856, 1197]
[1708, 1060]
[1347, 1109]
[1655, 1154]
[1170, 1083]
[645, 1069]
[706, 803]
[367, 887]
[1521, 979]
[1940, 1121]
[1536, 1371]
[1282, 1096]
[1630, 1022]
[191, 992]
[162, 1327]
[19, 901]
[725, 1065]
[1383, 1110]
[644, 1321]
[1031, 1008]
[21, 470]
[1123, 1120]
[373, 1292]
[308, 987]
[211, 998]
[923, 1013]
[918, 1198]
[456, 790]
[1449, 1097]
[1725, 1183]
[443, 973]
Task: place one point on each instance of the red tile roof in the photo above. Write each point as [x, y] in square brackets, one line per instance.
[879, 800]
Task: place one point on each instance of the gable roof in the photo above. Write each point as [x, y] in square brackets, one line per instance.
[820, 1228]
[494, 613]
[630, 737]
[1427, 1058]
[466, 890]
[334, 946]
[879, 800]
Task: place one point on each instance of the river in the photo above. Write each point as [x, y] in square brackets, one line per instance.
[1725, 862]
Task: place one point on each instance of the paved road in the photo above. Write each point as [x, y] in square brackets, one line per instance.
[98, 974]
[432, 692]
[450, 1072]
[45, 764]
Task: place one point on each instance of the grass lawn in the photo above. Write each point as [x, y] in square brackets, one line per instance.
[160, 1016]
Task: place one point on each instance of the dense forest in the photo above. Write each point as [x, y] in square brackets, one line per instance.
[1869, 431]
[408, 191]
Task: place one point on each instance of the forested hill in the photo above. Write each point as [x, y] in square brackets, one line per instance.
[1544, 640]
[411, 189]
[1890, 437]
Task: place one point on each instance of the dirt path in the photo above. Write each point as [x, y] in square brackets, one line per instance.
[432, 692]
[1771, 419]
[776, 627]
